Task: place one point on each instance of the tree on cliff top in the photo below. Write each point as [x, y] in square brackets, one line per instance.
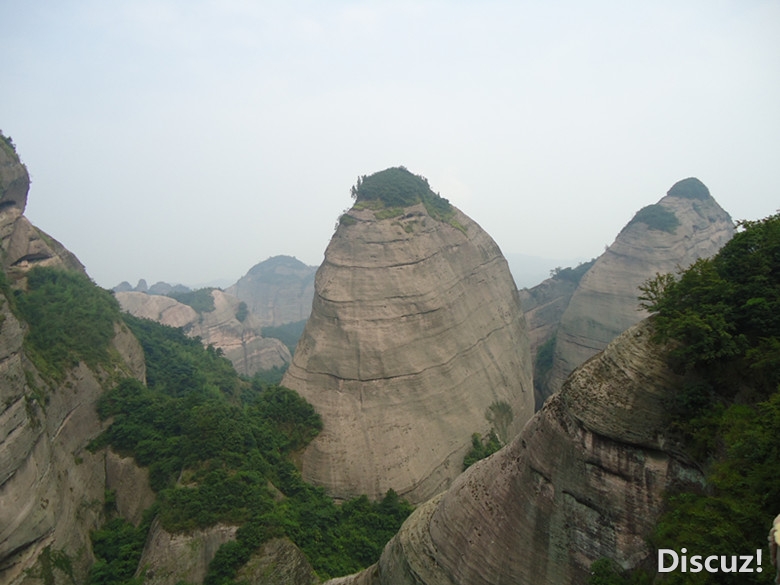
[397, 187]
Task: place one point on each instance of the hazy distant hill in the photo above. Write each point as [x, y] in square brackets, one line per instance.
[569, 324]
[278, 290]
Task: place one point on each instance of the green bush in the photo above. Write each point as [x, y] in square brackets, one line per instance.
[722, 317]
[397, 188]
[201, 300]
[70, 320]
[690, 188]
[117, 546]
[657, 217]
[481, 448]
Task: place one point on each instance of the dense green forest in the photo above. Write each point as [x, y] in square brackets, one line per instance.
[720, 319]
[218, 449]
[69, 318]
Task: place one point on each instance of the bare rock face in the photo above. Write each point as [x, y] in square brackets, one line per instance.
[687, 224]
[168, 558]
[23, 244]
[583, 480]
[278, 290]
[278, 562]
[239, 339]
[416, 329]
[130, 484]
[52, 487]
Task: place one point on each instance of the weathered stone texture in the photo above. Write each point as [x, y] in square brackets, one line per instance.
[240, 341]
[584, 480]
[416, 329]
[606, 300]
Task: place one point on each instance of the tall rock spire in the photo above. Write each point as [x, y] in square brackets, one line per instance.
[416, 330]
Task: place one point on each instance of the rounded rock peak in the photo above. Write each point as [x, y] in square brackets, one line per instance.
[690, 188]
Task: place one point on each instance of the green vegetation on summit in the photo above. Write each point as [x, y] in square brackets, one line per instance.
[722, 319]
[388, 191]
[690, 188]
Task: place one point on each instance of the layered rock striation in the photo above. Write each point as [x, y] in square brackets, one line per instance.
[236, 331]
[416, 330]
[584, 480]
[685, 225]
[52, 487]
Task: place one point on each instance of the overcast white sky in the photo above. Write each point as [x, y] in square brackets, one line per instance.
[188, 140]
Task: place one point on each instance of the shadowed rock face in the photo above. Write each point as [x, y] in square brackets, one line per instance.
[416, 329]
[687, 224]
[583, 480]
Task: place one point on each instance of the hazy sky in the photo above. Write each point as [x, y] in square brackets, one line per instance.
[188, 140]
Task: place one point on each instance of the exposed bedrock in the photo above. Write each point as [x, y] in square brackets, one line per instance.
[583, 480]
[416, 329]
[239, 339]
[685, 225]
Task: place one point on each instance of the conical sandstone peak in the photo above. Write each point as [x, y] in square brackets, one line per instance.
[416, 331]
[685, 225]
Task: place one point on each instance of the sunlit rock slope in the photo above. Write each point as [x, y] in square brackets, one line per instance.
[583, 480]
[416, 330]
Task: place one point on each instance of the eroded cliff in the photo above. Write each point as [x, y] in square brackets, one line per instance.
[416, 329]
[51, 487]
[584, 480]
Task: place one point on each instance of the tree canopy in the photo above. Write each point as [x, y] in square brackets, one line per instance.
[720, 319]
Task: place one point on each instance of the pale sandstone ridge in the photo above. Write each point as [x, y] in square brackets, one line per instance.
[416, 329]
[583, 480]
[606, 300]
[278, 290]
[51, 486]
[240, 340]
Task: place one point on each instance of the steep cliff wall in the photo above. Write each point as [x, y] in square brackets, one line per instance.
[687, 224]
[239, 339]
[416, 329]
[584, 480]
[51, 487]
[278, 290]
